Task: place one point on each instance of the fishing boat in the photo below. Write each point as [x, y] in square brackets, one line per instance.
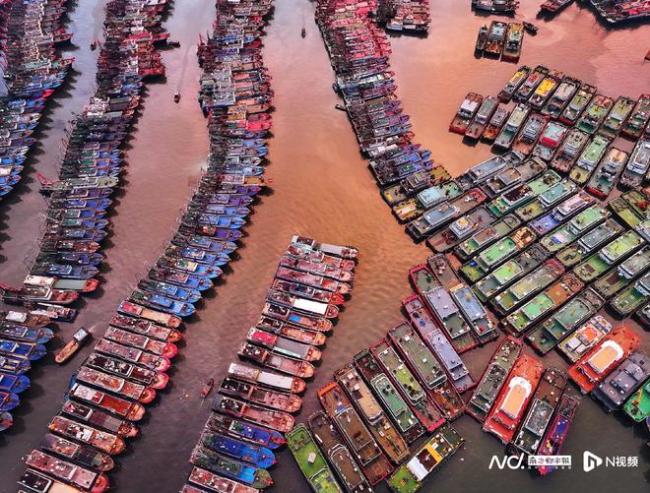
[295, 333]
[283, 346]
[561, 213]
[603, 358]
[144, 376]
[496, 39]
[558, 429]
[545, 200]
[427, 369]
[589, 159]
[318, 268]
[77, 476]
[311, 461]
[533, 79]
[284, 364]
[630, 208]
[554, 296]
[248, 474]
[133, 411]
[632, 297]
[165, 349]
[560, 99]
[482, 172]
[381, 428]
[511, 271]
[254, 454]
[577, 105]
[542, 406]
[313, 308]
[498, 119]
[135, 310]
[486, 236]
[616, 117]
[637, 406]
[568, 152]
[513, 42]
[443, 308]
[276, 420]
[133, 355]
[247, 431]
[482, 118]
[527, 285]
[307, 292]
[313, 280]
[608, 256]
[638, 119]
[25, 319]
[96, 417]
[493, 378]
[595, 113]
[72, 346]
[575, 228]
[549, 141]
[215, 483]
[638, 165]
[466, 112]
[285, 314]
[84, 455]
[422, 321]
[588, 243]
[410, 476]
[584, 338]
[497, 253]
[34, 481]
[115, 385]
[410, 209]
[256, 394]
[619, 385]
[398, 410]
[509, 131]
[514, 397]
[338, 407]
[332, 445]
[481, 40]
[551, 331]
[272, 380]
[403, 379]
[346, 252]
[514, 83]
[529, 133]
[459, 229]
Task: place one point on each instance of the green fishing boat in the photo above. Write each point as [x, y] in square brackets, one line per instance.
[409, 477]
[544, 201]
[549, 333]
[589, 159]
[607, 286]
[595, 114]
[588, 243]
[544, 303]
[415, 183]
[608, 256]
[614, 121]
[630, 208]
[632, 297]
[311, 461]
[521, 194]
[637, 407]
[524, 288]
[414, 207]
[509, 272]
[498, 253]
[574, 229]
[486, 236]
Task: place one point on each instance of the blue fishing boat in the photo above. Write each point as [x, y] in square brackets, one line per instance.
[12, 364]
[162, 303]
[254, 454]
[8, 401]
[65, 271]
[204, 243]
[181, 279]
[94, 204]
[26, 350]
[242, 430]
[188, 266]
[198, 255]
[227, 222]
[170, 290]
[26, 334]
[13, 383]
[230, 468]
[230, 200]
[226, 210]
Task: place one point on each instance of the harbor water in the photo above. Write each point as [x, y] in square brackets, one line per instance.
[321, 187]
